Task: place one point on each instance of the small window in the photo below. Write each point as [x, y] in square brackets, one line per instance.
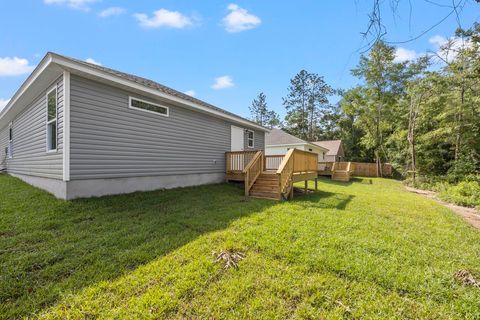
[250, 136]
[147, 106]
[52, 120]
[323, 155]
[310, 150]
[9, 148]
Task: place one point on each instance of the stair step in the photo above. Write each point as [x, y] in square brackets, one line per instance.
[263, 177]
[267, 182]
[265, 188]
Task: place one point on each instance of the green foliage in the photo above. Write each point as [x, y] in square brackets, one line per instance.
[261, 114]
[466, 193]
[309, 113]
[342, 252]
[415, 118]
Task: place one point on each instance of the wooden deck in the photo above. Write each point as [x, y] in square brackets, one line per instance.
[271, 177]
[339, 171]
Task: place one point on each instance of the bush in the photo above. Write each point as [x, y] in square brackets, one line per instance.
[466, 193]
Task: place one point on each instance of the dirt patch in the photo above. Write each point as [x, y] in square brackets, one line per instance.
[469, 214]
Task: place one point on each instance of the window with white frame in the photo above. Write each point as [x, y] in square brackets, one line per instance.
[52, 120]
[9, 149]
[250, 138]
[147, 106]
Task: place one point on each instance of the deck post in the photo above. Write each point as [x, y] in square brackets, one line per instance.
[306, 186]
[316, 183]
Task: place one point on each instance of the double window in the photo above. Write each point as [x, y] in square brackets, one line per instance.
[250, 139]
[147, 106]
[52, 127]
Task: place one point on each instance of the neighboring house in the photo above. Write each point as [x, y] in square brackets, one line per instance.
[278, 142]
[335, 150]
[77, 129]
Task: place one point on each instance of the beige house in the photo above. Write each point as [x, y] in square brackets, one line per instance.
[335, 150]
[278, 142]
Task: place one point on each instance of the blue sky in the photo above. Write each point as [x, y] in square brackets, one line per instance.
[223, 52]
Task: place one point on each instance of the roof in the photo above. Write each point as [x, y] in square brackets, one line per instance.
[333, 146]
[280, 137]
[84, 67]
[277, 136]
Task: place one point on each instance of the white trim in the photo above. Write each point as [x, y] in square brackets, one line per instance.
[130, 98]
[253, 138]
[54, 87]
[131, 84]
[66, 126]
[296, 144]
[33, 76]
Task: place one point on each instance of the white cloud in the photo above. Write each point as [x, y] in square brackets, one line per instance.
[239, 19]
[112, 11]
[447, 48]
[14, 66]
[402, 55]
[3, 103]
[190, 93]
[223, 82]
[74, 4]
[90, 60]
[164, 18]
[437, 41]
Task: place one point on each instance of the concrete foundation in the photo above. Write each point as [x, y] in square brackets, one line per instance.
[102, 187]
[56, 187]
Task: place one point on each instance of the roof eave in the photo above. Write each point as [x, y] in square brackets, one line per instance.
[72, 65]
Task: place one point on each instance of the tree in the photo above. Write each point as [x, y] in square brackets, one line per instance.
[383, 84]
[260, 113]
[307, 104]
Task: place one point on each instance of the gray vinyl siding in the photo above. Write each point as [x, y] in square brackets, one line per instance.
[110, 140]
[30, 139]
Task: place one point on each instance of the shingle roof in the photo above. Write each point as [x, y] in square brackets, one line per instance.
[277, 136]
[333, 146]
[151, 84]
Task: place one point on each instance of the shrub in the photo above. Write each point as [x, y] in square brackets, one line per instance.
[466, 193]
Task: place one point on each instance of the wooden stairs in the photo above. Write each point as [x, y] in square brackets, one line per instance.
[266, 186]
[275, 183]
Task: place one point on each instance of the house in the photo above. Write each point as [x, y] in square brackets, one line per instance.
[335, 150]
[77, 129]
[278, 142]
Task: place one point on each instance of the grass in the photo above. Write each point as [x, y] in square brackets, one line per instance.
[364, 249]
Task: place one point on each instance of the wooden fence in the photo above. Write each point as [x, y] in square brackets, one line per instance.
[370, 169]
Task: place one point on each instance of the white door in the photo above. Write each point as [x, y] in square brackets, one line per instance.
[237, 139]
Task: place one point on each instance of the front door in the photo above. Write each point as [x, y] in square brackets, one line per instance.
[237, 136]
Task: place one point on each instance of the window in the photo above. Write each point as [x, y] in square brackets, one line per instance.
[310, 150]
[9, 149]
[52, 120]
[250, 139]
[147, 106]
[323, 155]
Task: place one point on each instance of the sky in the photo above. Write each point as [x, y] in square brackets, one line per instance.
[222, 52]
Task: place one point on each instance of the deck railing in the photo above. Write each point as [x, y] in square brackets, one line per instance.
[272, 162]
[295, 162]
[253, 169]
[285, 173]
[237, 160]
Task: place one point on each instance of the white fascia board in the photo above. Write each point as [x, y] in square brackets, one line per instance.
[24, 87]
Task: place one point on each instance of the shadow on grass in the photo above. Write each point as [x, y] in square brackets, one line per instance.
[50, 247]
[325, 200]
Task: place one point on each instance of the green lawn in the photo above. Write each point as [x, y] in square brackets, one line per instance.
[365, 249]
